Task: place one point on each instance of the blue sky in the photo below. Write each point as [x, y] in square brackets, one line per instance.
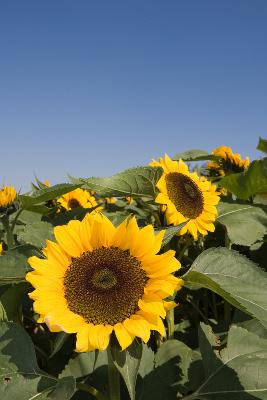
[93, 87]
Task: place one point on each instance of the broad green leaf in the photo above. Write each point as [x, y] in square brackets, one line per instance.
[238, 372]
[20, 375]
[36, 234]
[170, 232]
[234, 277]
[139, 181]
[262, 145]
[84, 364]
[28, 217]
[13, 267]
[193, 155]
[244, 223]
[43, 195]
[178, 366]
[248, 183]
[11, 301]
[127, 362]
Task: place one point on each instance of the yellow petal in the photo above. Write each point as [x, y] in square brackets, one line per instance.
[125, 338]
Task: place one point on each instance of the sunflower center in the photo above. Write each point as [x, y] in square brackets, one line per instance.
[104, 285]
[73, 203]
[184, 194]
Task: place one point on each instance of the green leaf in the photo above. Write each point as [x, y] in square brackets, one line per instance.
[244, 223]
[36, 234]
[84, 364]
[11, 301]
[178, 366]
[248, 183]
[13, 267]
[59, 342]
[170, 232]
[193, 155]
[238, 372]
[21, 377]
[127, 362]
[234, 277]
[43, 195]
[262, 145]
[139, 181]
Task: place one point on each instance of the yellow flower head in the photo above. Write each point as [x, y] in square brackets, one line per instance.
[47, 183]
[229, 162]
[7, 196]
[77, 198]
[97, 279]
[186, 197]
[1, 248]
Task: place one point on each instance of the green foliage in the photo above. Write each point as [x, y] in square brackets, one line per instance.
[233, 277]
[238, 372]
[245, 224]
[262, 145]
[36, 234]
[43, 195]
[21, 377]
[139, 181]
[248, 183]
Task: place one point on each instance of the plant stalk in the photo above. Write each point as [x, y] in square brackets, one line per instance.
[113, 378]
[170, 323]
[9, 235]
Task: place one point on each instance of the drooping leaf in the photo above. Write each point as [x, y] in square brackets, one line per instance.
[234, 277]
[244, 223]
[262, 145]
[127, 362]
[248, 183]
[139, 181]
[238, 372]
[170, 232]
[36, 234]
[43, 195]
[21, 378]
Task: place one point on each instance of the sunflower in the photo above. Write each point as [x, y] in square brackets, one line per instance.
[186, 197]
[1, 248]
[228, 163]
[7, 196]
[77, 198]
[97, 279]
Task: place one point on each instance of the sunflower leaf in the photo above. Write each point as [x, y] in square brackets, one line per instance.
[20, 375]
[194, 155]
[234, 277]
[13, 267]
[248, 183]
[170, 232]
[238, 372]
[139, 181]
[244, 223]
[262, 145]
[127, 362]
[36, 234]
[43, 195]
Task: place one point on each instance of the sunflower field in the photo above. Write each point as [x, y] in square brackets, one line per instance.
[148, 284]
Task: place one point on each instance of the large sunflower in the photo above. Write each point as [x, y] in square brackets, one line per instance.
[230, 162]
[97, 279]
[186, 196]
[77, 198]
[7, 196]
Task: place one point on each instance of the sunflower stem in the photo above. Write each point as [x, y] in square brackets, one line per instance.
[9, 236]
[170, 323]
[90, 389]
[113, 378]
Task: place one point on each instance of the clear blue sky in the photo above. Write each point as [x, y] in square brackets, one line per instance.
[93, 87]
